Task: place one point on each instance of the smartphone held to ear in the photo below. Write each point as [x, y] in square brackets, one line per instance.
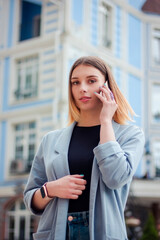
[112, 96]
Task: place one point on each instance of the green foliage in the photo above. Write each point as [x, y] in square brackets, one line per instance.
[150, 231]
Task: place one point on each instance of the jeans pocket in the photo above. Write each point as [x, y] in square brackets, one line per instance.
[42, 235]
[77, 231]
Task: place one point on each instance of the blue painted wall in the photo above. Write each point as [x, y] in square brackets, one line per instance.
[135, 99]
[77, 11]
[136, 3]
[11, 23]
[135, 96]
[94, 22]
[6, 83]
[117, 76]
[134, 41]
[50, 24]
[2, 149]
[118, 29]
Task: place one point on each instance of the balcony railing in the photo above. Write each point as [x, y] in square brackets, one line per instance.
[25, 93]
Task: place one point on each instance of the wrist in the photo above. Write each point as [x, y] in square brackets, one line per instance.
[44, 192]
[107, 132]
[49, 189]
[106, 122]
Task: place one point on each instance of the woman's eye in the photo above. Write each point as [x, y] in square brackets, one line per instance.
[92, 81]
[75, 83]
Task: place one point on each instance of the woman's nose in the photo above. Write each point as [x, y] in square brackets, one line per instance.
[83, 88]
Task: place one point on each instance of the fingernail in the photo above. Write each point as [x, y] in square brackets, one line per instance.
[95, 92]
[105, 84]
[82, 175]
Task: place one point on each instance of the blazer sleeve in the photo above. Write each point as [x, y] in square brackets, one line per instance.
[118, 161]
[37, 178]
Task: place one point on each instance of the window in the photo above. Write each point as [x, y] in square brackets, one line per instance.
[156, 156]
[156, 103]
[20, 224]
[105, 23]
[25, 144]
[30, 21]
[27, 78]
[156, 46]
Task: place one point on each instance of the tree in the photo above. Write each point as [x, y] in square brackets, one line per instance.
[150, 231]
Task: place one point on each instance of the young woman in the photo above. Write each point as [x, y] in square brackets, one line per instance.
[80, 177]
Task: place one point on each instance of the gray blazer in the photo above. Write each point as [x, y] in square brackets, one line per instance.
[114, 165]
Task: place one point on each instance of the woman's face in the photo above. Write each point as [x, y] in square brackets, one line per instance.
[85, 81]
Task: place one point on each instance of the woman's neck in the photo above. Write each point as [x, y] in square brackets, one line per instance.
[88, 119]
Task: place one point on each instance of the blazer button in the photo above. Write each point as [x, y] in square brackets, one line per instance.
[70, 218]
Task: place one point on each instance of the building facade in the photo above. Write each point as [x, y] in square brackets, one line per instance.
[145, 190]
[40, 39]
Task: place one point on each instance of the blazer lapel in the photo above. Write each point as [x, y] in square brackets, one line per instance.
[61, 169]
[61, 149]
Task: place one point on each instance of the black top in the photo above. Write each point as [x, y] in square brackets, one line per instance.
[80, 159]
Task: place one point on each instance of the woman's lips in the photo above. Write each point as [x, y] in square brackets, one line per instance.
[85, 99]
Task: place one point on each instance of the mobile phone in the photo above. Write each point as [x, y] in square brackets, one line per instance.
[106, 83]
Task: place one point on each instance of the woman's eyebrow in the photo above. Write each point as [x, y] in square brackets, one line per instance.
[74, 78]
[92, 76]
[89, 76]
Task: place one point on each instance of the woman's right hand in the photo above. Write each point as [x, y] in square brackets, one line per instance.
[70, 187]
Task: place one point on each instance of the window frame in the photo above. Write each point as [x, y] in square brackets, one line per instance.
[151, 103]
[154, 140]
[31, 62]
[10, 151]
[107, 4]
[13, 73]
[153, 63]
[24, 161]
[17, 214]
[18, 23]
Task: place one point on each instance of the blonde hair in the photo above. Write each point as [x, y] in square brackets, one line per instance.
[124, 111]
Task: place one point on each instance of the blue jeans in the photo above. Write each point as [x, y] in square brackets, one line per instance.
[78, 226]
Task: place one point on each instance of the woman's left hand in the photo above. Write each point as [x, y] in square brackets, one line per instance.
[109, 104]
